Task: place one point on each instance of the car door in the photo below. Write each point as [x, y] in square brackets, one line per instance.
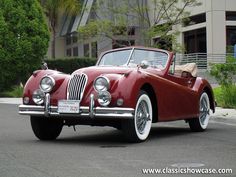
[176, 97]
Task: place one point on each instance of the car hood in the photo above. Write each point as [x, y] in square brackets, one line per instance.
[95, 71]
[114, 74]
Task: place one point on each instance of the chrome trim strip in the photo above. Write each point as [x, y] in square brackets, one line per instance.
[99, 112]
[130, 56]
[91, 106]
[47, 105]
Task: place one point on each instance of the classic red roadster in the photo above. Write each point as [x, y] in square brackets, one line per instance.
[129, 88]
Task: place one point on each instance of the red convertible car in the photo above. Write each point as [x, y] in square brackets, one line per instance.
[129, 88]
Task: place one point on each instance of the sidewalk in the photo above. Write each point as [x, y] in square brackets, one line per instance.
[224, 115]
[11, 100]
[221, 114]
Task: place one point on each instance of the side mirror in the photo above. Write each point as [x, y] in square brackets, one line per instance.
[143, 64]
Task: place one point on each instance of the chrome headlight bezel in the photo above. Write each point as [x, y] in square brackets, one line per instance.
[47, 83]
[101, 83]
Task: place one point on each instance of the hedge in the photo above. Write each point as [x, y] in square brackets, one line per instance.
[69, 65]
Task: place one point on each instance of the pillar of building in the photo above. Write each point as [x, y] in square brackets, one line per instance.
[216, 30]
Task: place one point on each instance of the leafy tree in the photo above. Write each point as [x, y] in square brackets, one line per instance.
[24, 40]
[53, 9]
[110, 15]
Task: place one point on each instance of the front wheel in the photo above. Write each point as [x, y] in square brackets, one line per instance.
[200, 124]
[138, 129]
[45, 128]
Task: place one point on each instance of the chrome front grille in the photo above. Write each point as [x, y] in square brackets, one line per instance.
[76, 87]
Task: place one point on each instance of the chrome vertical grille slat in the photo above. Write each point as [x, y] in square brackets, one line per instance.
[76, 86]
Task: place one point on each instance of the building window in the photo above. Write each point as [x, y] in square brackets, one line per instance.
[68, 52]
[230, 16]
[68, 40]
[86, 50]
[196, 19]
[74, 39]
[230, 38]
[195, 41]
[75, 52]
[94, 49]
[122, 43]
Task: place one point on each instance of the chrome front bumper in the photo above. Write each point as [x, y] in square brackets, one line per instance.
[88, 112]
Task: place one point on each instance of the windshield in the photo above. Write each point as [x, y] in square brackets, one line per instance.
[130, 57]
[115, 58]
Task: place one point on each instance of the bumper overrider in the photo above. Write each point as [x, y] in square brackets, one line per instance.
[85, 111]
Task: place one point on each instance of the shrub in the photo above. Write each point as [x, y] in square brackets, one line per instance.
[24, 38]
[68, 65]
[15, 91]
[226, 96]
[225, 75]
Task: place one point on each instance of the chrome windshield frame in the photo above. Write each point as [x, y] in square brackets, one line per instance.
[131, 54]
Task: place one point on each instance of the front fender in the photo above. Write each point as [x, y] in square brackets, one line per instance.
[33, 83]
[127, 87]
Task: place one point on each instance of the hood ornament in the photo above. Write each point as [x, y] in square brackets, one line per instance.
[44, 65]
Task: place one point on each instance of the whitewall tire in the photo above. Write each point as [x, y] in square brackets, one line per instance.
[138, 129]
[201, 123]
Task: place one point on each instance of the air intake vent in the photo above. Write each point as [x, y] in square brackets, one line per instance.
[76, 86]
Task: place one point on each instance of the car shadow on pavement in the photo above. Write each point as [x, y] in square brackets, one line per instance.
[115, 138]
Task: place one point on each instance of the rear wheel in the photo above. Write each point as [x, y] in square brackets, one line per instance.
[45, 128]
[138, 129]
[200, 124]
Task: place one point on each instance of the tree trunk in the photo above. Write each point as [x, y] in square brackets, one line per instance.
[53, 47]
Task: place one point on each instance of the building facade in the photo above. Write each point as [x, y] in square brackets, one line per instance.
[211, 29]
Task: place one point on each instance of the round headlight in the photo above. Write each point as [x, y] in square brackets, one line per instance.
[104, 98]
[46, 84]
[38, 96]
[101, 84]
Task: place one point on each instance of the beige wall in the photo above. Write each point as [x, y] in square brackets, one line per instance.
[215, 23]
[60, 41]
[60, 48]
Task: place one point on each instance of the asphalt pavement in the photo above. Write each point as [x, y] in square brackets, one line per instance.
[102, 151]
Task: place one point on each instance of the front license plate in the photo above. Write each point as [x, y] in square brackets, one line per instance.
[68, 106]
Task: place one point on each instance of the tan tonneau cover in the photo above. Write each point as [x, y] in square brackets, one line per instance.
[189, 67]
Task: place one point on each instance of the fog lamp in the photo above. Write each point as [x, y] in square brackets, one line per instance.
[38, 96]
[104, 98]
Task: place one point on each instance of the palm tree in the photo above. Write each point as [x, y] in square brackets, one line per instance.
[52, 10]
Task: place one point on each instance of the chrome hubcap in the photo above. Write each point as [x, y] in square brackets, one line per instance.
[142, 116]
[204, 110]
